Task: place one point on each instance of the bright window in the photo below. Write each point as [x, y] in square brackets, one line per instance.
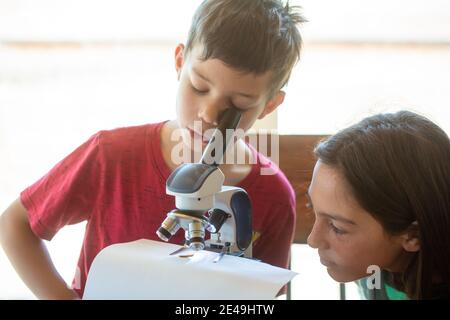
[71, 68]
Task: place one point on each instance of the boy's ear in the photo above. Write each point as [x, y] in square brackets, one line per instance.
[272, 104]
[179, 59]
[410, 239]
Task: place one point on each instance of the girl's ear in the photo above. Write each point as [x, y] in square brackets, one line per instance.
[272, 104]
[179, 59]
[410, 239]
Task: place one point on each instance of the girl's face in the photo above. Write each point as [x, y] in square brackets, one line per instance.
[348, 238]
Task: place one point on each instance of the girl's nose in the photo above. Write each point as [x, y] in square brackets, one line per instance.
[316, 238]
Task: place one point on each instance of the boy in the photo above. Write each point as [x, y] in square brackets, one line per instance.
[238, 54]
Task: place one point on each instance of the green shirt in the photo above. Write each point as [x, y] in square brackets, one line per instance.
[386, 291]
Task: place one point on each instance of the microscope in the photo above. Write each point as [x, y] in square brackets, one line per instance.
[203, 203]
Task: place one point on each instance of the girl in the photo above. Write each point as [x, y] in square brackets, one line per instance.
[381, 195]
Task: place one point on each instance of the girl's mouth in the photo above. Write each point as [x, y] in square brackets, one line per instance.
[325, 262]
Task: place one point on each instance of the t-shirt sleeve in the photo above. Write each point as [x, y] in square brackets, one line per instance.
[275, 243]
[66, 194]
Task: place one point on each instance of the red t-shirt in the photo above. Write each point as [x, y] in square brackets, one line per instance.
[116, 181]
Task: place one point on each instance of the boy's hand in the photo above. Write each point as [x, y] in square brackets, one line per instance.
[68, 294]
[29, 256]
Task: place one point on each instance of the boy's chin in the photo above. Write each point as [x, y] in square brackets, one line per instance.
[196, 148]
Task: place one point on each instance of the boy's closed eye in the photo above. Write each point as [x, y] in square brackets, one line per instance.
[202, 92]
[198, 91]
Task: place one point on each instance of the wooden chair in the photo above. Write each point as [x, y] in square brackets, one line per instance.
[297, 162]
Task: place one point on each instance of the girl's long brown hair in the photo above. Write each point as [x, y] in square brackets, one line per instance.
[398, 167]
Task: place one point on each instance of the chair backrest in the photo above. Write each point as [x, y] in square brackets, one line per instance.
[296, 160]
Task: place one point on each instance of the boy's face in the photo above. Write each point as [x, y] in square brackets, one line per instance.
[209, 87]
[347, 237]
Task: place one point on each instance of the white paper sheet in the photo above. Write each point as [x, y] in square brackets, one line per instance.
[144, 269]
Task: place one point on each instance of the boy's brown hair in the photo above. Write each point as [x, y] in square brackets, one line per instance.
[254, 36]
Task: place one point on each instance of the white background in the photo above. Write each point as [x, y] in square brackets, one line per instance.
[71, 68]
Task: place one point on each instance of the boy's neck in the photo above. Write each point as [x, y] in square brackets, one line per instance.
[234, 173]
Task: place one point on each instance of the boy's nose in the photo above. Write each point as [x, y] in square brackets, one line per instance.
[209, 114]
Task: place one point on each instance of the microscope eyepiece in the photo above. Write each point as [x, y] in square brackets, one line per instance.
[217, 145]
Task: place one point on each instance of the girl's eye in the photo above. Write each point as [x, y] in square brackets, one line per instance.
[336, 229]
